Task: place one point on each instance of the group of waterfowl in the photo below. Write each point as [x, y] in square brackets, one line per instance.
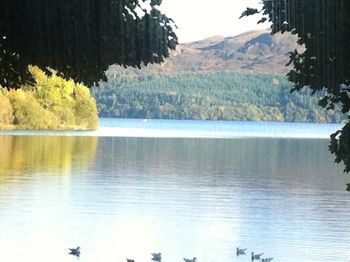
[157, 257]
[241, 251]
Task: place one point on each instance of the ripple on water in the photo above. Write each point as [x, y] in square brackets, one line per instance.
[181, 197]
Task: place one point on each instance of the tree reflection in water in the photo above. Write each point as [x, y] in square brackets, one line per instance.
[31, 154]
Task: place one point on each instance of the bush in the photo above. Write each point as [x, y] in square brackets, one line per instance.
[6, 111]
[28, 112]
[51, 103]
[85, 108]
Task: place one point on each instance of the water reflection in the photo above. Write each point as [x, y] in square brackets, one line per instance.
[290, 163]
[181, 197]
[52, 154]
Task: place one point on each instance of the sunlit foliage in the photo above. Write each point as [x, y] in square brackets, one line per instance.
[50, 102]
[6, 111]
[85, 108]
[28, 113]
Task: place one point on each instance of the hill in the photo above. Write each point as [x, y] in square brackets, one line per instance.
[224, 78]
[255, 51]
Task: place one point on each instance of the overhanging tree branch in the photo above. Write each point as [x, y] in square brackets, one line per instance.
[81, 38]
[323, 27]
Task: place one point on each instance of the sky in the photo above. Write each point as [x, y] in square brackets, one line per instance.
[199, 19]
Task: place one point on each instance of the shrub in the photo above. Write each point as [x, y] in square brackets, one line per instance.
[28, 112]
[6, 111]
[85, 108]
[51, 103]
[71, 103]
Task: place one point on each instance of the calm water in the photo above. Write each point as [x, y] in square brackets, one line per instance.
[128, 197]
[197, 129]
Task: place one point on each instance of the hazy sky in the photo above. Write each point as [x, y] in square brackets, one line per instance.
[198, 19]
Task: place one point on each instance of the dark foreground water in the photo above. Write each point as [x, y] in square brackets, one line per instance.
[124, 198]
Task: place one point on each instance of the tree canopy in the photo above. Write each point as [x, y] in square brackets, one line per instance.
[323, 27]
[80, 38]
[219, 95]
[50, 103]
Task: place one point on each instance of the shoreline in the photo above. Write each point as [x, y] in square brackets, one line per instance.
[144, 128]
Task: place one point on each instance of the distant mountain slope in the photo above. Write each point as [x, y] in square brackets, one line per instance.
[255, 51]
[219, 78]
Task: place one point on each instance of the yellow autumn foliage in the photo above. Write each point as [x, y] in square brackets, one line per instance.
[85, 108]
[28, 113]
[52, 103]
[6, 111]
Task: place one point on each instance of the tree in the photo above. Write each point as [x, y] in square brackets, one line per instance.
[323, 27]
[80, 38]
[50, 103]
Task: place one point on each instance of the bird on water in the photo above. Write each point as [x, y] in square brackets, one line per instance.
[256, 256]
[157, 257]
[194, 259]
[74, 251]
[269, 259]
[240, 251]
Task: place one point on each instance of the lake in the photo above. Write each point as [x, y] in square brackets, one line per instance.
[198, 196]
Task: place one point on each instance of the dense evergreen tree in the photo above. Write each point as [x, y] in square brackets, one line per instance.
[80, 38]
[323, 27]
[206, 96]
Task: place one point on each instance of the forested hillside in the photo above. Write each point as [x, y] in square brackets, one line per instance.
[214, 79]
[223, 95]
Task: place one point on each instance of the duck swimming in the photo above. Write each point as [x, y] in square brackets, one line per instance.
[256, 256]
[157, 257]
[240, 251]
[74, 251]
[267, 259]
[194, 259]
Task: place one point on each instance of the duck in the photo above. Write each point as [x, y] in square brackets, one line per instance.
[240, 251]
[130, 260]
[269, 259]
[256, 256]
[74, 251]
[194, 259]
[156, 257]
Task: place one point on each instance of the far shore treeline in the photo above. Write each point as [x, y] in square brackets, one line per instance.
[224, 95]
